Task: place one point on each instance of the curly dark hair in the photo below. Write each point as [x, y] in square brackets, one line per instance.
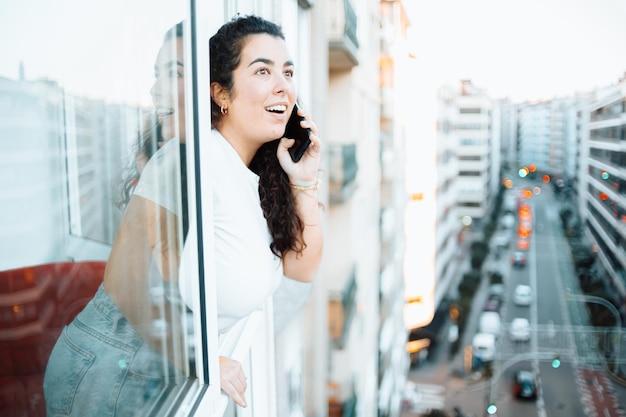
[225, 50]
[277, 200]
[146, 144]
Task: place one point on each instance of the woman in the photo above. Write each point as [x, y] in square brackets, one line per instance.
[266, 210]
[125, 374]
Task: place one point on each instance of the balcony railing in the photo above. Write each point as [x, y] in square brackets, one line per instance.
[341, 310]
[251, 342]
[343, 44]
[342, 172]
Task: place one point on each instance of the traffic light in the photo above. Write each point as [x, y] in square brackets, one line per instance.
[556, 362]
[492, 409]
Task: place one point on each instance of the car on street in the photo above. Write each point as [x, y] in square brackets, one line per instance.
[423, 341]
[410, 396]
[489, 322]
[525, 384]
[508, 221]
[501, 240]
[496, 292]
[519, 330]
[518, 258]
[524, 212]
[523, 243]
[492, 305]
[524, 228]
[523, 295]
[484, 347]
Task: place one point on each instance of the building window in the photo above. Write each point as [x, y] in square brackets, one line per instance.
[77, 103]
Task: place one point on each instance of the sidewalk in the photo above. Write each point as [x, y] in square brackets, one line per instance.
[446, 370]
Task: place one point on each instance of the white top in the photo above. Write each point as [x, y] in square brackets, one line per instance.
[160, 178]
[247, 271]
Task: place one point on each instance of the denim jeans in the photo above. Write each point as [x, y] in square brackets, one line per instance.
[100, 366]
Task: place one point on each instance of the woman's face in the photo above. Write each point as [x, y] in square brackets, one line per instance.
[168, 94]
[263, 92]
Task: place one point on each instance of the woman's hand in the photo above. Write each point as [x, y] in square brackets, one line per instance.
[233, 380]
[304, 171]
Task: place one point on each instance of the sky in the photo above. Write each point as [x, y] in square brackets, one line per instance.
[523, 50]
[76, 42]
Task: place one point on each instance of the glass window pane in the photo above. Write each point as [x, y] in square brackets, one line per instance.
[93, 173]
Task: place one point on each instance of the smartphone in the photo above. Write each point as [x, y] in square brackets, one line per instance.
[299, 133]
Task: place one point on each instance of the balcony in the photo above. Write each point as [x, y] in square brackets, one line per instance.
[337, 407]
[342, 172]
[387, 108]
[251, 342]
[341, 310]
[342, 43]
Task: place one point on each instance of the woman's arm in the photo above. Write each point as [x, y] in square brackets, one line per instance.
[148, 236]
[304, 187]
[150, 231]
[303, 267]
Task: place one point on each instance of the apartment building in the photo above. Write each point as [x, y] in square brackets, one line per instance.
[352, 258]
[549, 136]
[449, 225]
[341, 350]
[367, 360]
[475, 151]
[508, 135]
[534, 134]
[394, 63]
[604, 194]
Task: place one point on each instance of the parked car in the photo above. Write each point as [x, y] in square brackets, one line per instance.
[411, 397]
[501, 239]
[525, 384]
[523, 295]
[484, 347]
[423, 341]
[496, 292]
[489, 322]
[492, 305]
[519, 330]
[508, 221]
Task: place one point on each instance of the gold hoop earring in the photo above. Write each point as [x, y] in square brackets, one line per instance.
[223, 109]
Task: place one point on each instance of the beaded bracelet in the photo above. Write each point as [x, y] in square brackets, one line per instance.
[306, 187]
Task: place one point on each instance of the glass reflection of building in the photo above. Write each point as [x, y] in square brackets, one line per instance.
[59, 147]
[53, 147]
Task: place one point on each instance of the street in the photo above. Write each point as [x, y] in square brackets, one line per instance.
[578, 387]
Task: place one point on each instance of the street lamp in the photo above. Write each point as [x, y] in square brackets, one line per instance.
[492, 408]
[611, 307]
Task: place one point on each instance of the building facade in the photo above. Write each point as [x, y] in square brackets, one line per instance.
[603, 196]
[337, 346]
[475, 137]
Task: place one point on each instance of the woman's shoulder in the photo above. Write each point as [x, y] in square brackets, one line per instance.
[162, 163]
[220, 151]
